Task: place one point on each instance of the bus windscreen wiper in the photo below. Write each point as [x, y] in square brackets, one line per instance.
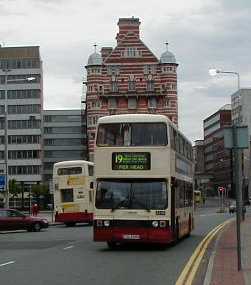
[144, 206]
[119, 204]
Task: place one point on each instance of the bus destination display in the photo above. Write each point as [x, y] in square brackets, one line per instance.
[131, 161]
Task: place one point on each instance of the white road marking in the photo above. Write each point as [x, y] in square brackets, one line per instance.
[7, 263]
[204, 215]
[68, 247]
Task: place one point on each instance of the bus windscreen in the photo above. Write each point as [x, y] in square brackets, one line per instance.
[137, 194]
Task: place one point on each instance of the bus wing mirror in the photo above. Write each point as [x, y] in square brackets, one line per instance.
[91, 185]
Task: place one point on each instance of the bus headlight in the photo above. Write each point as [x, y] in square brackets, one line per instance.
[106, 223]
[155, 224]
[162, 224]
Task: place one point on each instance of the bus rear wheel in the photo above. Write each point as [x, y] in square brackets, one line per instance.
[177, 230]
[189, 225]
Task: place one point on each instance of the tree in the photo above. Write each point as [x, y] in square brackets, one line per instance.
[14, 189]
[38, 190]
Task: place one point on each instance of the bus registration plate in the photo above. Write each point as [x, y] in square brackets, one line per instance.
[129, 236]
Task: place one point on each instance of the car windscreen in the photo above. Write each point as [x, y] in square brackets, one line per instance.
[126, 194]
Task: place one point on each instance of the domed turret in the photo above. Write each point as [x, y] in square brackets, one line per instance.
[167, 56]
[95, 59]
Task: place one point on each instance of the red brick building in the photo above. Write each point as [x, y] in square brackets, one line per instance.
[129, 79]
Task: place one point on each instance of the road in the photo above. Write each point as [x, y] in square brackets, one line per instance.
[63, 255]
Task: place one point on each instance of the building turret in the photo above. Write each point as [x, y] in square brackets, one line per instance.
[167, 57]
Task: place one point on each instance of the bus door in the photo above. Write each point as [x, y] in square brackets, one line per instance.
[90, 191]
[173, 203]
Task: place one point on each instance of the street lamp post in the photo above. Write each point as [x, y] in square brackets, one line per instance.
[237, 170]
[86, 123]
[214, 72]
[6, 81]
[86, 130]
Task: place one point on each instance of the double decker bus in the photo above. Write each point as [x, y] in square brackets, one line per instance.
[144, 180]
[73, 192]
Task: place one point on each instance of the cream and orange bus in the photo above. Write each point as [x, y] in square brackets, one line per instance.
[73, 192]
[144, 180]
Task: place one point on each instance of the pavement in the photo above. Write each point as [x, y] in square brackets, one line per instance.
[222, 267]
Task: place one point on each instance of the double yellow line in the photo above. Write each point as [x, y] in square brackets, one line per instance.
[188, 274]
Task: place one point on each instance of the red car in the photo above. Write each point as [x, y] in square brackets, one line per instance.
[11, 220]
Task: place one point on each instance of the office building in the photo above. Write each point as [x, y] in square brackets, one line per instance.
[63, 138]
[201, 178]
[218, 160]
[21, 91]
[241, 115]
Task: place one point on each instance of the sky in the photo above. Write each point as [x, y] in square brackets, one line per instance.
[202, 35]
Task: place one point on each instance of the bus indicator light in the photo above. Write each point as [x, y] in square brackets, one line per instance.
[162, 224]
[99, 223]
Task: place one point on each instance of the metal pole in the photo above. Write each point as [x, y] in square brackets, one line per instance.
[222, 201]
[86, 130]
[6, 141]
[237, 193]
[237, 177]
[218, 197]
[238, 186]
[30, 199]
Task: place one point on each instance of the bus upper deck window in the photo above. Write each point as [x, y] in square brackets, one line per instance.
[149, 134]
[132, 134]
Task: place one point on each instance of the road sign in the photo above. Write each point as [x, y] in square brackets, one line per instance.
[2, 182]
[221, 189]
[242, 140]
